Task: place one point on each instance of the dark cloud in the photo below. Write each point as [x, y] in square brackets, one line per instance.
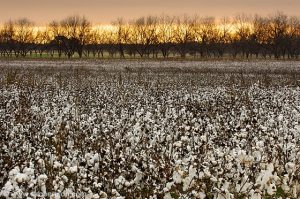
[43, 11]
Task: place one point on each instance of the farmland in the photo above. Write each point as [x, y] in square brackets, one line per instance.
[149, 129]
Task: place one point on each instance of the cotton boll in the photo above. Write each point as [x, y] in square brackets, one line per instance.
[57, 165]
[7, 189]
[167, 196]
[95, 196]
[102, 195]
[73, 169]
[257, 156]
[42, 182]
[254, 195]
[177, 144]
[138, 177]
[285, 186]
[290, 167]
[280, 118]
[271, 189]
[21, 178]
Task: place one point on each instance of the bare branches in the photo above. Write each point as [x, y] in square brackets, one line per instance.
[276, 36]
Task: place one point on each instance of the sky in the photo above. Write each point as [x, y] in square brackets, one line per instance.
[106, 11]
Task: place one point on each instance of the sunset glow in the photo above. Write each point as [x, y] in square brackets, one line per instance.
[106, 11]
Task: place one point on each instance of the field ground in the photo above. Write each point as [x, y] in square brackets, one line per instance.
[149, 129]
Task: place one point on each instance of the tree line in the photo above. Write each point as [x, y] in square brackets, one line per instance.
[276, 36]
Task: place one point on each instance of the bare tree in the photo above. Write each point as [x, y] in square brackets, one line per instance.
[55, 32]
[24, 36]
[184, 34]
[7, 38]
[144, 34]
[76, 31]
[123, 33]
[275, 36]
[206, 35]
[224, 32]
[293, 40]
[243, 31]
[165, 35]
[278, 32]
[261, 33]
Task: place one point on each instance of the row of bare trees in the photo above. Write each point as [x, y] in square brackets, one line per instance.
[276, 36]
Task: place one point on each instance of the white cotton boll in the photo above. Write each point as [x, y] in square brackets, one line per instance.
[138, 177]
[184, 138]
[202, 195]
[127, 184]
[73, 169]
[213, 179]
[118, 145]
[270, 167]
[49, 134]
[42, 179]
[285, 187]
[168, 186]
[103, 195]
[120, 181]
[214, 162]
[88, 195]
[95, 196]
[264, 128]
[57, 165]
[13, 172]
[41, 162]
[7, 189]
[257, 156]
[280, 117]
[95, 130]
[192, 172]
[207, 172]
[168, 196]
[60, 186]
[134, 168]
[43, 189]
[187, 181]
[203, 138]
[70, 144]
[189, 148]
[42, 182]
[16, 194]
[64, 178]
[55, 196]
[177, 177]
[168, 138]
[290, 167]
[148, 116]
[177, 144]
[21, 177]
[271, 189]
[254, 195]
[68, 193]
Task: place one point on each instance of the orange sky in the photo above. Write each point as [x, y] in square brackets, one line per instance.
[105, 11]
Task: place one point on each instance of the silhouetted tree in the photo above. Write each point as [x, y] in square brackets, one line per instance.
[7, 39]
[76, 31]
[23, 36]
[278, 34]
[165, 35]
[184, 35]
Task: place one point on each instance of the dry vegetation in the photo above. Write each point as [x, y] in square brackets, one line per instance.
[173, 130]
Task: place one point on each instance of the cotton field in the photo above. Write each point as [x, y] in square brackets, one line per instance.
[182, 130]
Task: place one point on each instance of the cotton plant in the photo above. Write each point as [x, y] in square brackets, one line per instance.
[149, 138]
